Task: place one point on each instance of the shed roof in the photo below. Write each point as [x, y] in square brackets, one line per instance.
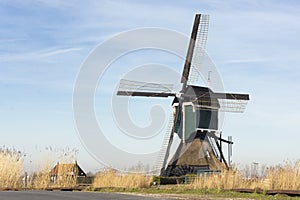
[67, 169]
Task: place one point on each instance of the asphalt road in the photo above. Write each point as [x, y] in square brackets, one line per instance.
[58, 195]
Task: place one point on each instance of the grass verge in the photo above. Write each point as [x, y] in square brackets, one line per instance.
[181, 192]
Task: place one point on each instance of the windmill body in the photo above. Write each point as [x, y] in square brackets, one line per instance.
[195, 114]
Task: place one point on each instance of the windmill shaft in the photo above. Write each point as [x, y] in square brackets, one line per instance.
[189, 56]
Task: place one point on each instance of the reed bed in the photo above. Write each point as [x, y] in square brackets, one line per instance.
[11, 166]
[40, 179]
[65, 178]
[284, 177]
[280, 177]
[63, 175]
[12, 175]
[111, 178]
[227, 180]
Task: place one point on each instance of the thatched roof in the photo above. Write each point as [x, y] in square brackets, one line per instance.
[61, 169]
[197, 152]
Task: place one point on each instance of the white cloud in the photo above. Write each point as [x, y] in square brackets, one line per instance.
[58, 51]
[36, 55]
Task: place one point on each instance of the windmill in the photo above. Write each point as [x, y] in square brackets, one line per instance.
[195, 118]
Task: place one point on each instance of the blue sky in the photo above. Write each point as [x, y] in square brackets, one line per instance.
[254, 44]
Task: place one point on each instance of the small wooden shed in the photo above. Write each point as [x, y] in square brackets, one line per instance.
[62, 170]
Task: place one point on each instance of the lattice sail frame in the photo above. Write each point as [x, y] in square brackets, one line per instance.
[222, 105]
[233, 105]
[199, 49]
[137, 86]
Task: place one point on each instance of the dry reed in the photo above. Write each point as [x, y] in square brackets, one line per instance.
[111, 178]
[281, 177]
[40, 179]
[65, 178]
[227, 180]
[63, 175]
[285, 176]
[11, 166]
[66, 175]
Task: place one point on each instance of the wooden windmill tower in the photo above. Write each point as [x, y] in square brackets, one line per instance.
[196, 113]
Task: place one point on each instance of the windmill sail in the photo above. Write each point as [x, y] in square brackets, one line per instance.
[232, 105]
[136, 88]
[196, 51]
[199, 49]
[190, 52]
[165, 148]
[225, 102]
